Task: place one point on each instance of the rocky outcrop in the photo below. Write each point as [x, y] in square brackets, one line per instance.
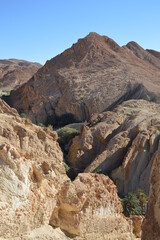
[151, 224]
[137, 221]
[92, 76]
[31, 174]
[121, 143]
[154, 53]
[36, 194]
[89, 207]
[14, 73]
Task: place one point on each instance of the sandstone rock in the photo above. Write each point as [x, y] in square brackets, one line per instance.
[45, 232]
[137, 224]
[31, 174]
[121, 144]
[14, 73]
[92, 76]
[151, 224]
[35, 191]
[89, 207]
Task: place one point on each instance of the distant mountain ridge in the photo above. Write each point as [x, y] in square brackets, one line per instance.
[14, 73]
[90, 77]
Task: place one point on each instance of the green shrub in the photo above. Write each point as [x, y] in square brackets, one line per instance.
[23, 115]
[65, 134]
[41, 125]
[142, 199]
[98, 171]
[67, 168]
[50, 127]
[134, 204]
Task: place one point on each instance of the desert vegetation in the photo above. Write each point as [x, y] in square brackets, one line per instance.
[134, 203]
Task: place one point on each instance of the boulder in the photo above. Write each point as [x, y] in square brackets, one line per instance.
[90, 208]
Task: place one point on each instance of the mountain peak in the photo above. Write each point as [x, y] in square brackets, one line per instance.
[102, 41]
[133, 45]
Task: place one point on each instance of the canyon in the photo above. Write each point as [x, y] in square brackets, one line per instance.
[37, 194]
[111, 96]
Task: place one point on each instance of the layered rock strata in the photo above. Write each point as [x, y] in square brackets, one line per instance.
[31, 174]
[36, 194]
[121, 143]
[90, 208]
[151, 225]
[92, 76]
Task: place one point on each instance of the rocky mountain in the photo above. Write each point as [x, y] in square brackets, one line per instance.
[154, 53]
[151, 224]
[38, 200]
[14, 73]
[92, 76]
[121, 144]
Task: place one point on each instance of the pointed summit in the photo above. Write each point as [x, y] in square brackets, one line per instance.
[103, 41]
[93, 75]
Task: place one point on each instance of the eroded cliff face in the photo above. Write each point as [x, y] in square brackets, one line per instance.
[89, 207]
[36, 194]
[31, 174]
[151, 225]
[92, 76]
[121, 143]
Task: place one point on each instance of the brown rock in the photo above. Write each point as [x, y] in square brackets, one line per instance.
[14, 73]
[121, 143]
[45, 232]
[89, 207]
[31, 174]
[154, 53]
[137, 225]
[151, 224]
[92, 76]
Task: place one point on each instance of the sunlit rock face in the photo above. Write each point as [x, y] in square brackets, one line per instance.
[121, 143]
[31, 174]
[90, 208]
[151, 224]
[92, 76]
[38, 200]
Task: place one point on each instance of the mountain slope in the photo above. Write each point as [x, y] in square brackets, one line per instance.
[14, 73]
[90, 77]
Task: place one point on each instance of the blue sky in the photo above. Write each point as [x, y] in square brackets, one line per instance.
[37, 30]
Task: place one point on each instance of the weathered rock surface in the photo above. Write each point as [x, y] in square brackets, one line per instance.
[14, 73]
[31, 174]
[93, 75]
[137, 225]
[121, 143]
[154, 53]
[89, 207]
[151, 225]
[35, 191]
[45, 232]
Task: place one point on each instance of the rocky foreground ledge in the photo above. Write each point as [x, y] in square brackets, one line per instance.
[38, 200]
[35, 192]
